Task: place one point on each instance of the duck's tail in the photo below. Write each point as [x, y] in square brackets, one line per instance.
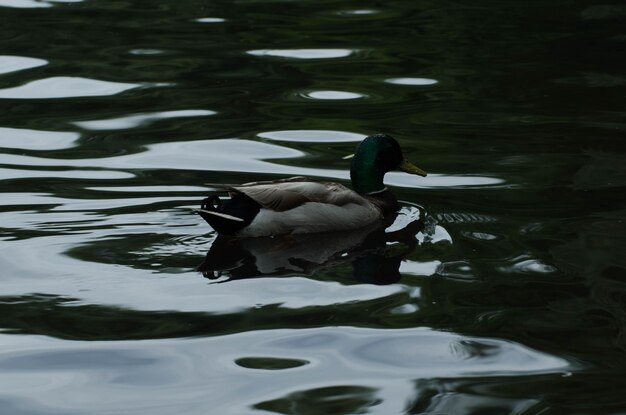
[230, 215]
[212, 212]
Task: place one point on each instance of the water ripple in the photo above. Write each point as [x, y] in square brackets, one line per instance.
[136, 120]
[65, 87]
[98, 195]
[303, 53]
[145, 51]
[269, 363]
[250, 156]
[9, 174]
[411, 81]
[17, 63]
[358, 12]
[60, 375]
[36, 140]
[87, 241]
[24, 4]
[419, 268]
[445, 180]
[148, 189]
[312, 136]
[411, 350]
[332, 95]
[210, 20]
[525, 265]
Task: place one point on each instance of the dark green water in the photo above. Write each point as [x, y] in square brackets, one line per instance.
[505, 294]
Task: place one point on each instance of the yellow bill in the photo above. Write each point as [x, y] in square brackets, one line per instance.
[409, 167]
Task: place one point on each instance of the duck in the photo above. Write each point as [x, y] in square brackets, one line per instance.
[300, 205]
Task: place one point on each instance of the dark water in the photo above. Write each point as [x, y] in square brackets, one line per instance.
[501, 288]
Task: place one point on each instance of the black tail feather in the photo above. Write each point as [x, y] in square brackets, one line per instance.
[242, 208]
[212, 203]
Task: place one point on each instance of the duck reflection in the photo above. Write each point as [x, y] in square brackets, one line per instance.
[375, 252]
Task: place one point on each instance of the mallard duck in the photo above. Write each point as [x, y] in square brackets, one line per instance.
[301, 205]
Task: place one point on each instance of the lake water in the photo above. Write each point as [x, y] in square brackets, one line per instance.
[500, 288]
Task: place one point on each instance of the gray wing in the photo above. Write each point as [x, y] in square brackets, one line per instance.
[223, 186]
[286, 195]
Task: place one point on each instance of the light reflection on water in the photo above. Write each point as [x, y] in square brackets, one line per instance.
[312, 136]
[411, 81]
[131, 371]
[332, 95]
[17, 63]
[37, 140]
[137, 120]
[65, 87]
[498, 289]
[303, 53]
[217, 155]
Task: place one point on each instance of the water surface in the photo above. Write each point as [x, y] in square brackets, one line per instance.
[499, 288]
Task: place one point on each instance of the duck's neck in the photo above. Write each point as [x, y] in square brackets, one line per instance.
[367, 178]
[385, 200]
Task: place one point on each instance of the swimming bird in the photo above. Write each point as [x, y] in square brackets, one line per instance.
[300, 205]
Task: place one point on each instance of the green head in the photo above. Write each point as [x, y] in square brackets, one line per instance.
[375, 156]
